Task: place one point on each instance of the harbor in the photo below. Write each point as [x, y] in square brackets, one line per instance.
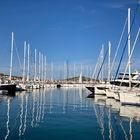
[70, 70]
[64, 113]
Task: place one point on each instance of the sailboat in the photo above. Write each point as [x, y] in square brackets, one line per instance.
[92, 88]
[126, 79]
[132, 94]
[100, 89]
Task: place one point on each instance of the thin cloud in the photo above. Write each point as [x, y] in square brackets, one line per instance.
[82, 8]
[114, 6]
[120, 5]
[117, 6]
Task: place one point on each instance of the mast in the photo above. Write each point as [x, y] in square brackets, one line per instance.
[109, 52]
[24, 63]
[42, 69]
[11, 60]
[80, 77]
[28, 62]
[67, 70]
[102, 57]
[35, 65]
[45, 74]
[51, 71]
[74, 73]
[129, 51]
[39, 64]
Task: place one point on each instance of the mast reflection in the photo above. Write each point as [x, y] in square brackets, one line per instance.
[21, 115]
[8, 119]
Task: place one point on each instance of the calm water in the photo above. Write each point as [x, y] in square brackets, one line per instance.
[66, 114]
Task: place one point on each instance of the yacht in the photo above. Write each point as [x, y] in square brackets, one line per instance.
[125, 81]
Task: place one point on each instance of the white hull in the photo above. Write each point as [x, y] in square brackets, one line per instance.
[130, 97]
[117, 96]
[110, 93]
[99, 91]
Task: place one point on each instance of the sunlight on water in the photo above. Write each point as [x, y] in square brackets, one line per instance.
[66, 114]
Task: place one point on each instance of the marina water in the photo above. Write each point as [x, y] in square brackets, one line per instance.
[65, 114]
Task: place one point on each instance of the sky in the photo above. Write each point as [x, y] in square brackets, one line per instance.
[72, 30]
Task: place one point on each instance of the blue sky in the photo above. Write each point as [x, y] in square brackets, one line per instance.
[72, 30]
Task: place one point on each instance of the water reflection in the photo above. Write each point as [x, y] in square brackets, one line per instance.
[8, 118]
[32, 110]
[120, 115]
[21, 115]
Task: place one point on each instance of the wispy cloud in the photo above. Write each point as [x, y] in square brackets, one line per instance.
[114, 5]
[120, 5]
[81, 8]
[84, 9]
[117, 6]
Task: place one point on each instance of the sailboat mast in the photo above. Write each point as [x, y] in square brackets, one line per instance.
[39, 65]
[129, 51]
[42, 69]
[81, 73]
[24, 63]
[74, 73]
[28, 62]
[67, 69]
[51, 71]
[102, 57]
[35, 64]
[80, 77]
[109, 52]
[45, 69]
[11, 61]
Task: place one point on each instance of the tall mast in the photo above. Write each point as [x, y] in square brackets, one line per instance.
[28, 62]
[67, 70]
[11, 61]
[80, 77]
[51, 71]
[109, 52]
[129, 51]
[35, 65]
[74, 73]
[64, 70]
[45, 69]
[102, 57]
[39, 64]
[42, 68]
[24, 63]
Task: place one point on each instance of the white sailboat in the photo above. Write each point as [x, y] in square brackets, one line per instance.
[100, 89]
[117, 91]
[131, 95]
[35, 84]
